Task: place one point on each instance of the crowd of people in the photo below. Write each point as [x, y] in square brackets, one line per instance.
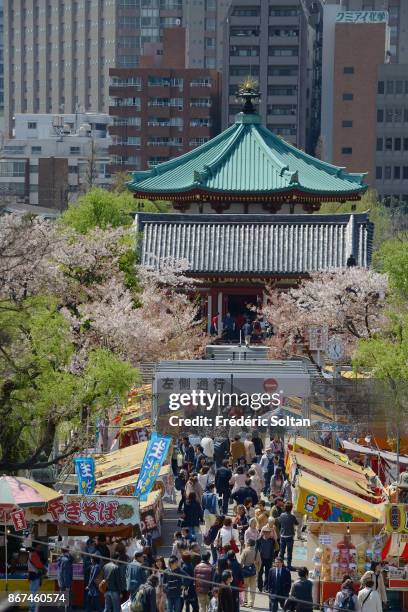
[235, 537]
[242, 328]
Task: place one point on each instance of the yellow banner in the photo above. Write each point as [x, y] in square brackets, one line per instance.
[319, 508]
[396, 518]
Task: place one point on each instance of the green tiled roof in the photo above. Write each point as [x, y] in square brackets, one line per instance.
[247, 157]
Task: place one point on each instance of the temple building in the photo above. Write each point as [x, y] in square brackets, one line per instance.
[247, 169]
[249, 174]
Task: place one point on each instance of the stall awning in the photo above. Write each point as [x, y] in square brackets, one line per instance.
[315, 408]
[119, 463]
[125, 482]
[338, 475]
[322, 500]
[364, 450]
[308, 447]
[135, 425]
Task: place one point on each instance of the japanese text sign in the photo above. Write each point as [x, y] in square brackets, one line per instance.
[19, 521]
[85, 471]
[396, 518]
[155, 455]
[362, 17]
[93, 510]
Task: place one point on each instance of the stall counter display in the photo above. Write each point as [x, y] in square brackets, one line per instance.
[338, 550]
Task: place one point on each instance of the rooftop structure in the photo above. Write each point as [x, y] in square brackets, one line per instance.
[255, 246]
[52, 158]
[247, 169]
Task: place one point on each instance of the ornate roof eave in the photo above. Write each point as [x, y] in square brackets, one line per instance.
[291, 194]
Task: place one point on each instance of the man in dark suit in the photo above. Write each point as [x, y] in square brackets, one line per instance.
[279, 583]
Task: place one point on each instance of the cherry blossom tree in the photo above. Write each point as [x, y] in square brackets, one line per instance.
[350, 301]
[73, 328]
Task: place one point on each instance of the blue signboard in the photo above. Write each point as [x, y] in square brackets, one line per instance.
[85, 471]
[155, 455]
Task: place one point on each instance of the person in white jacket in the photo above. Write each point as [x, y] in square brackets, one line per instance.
[368, 599]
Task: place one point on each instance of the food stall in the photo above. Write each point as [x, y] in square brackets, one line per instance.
[344, 531]
[395, 551]
[78, 516]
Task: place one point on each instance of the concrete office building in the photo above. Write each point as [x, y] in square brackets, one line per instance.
[162, 109]
[53, 158]
[274, 42]
[391, 156]
[360, 48]
[397, 19]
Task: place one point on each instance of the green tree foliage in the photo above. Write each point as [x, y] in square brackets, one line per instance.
[103, 209]
[46, 382]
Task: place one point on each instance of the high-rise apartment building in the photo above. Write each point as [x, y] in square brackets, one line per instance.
[1, 61]
[205, 22]
[273, 41]
[162, 109]
[58, 54]
[391, 155]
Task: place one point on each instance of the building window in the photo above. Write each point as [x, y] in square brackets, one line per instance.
[347, 124]
[397, 172]
[389, 115]
[378, 173]
[388, 144]
[241, 11]
[244, 31]
[243, 71]
[284, 51]
[32, 125]
[74, 150]
[397, 144]
[210, 25]
[379, 144]
[399, 87]
[154, 161]
[284, 32]
[282, 109]
[282, 71]
[12, 168]
[347, 151]
[205, 82]
[387, 173]
[196, 142]
[380, 115]
[405, 115]
[200, 122]
[282, 90]
[209, 43]
[244, 51]
[200, 102]
[348, 96]
[348, 69]
[36, 149]
[390, 87]
[405, 144]
[280, 11]
[210, 63]
[405, 173]
[380, 87]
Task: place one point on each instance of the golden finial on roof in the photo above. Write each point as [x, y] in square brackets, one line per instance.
[248, 90]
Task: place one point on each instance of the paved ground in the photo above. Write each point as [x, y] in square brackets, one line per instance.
[170, 526]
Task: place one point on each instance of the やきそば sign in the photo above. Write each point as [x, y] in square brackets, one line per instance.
[93, 510]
